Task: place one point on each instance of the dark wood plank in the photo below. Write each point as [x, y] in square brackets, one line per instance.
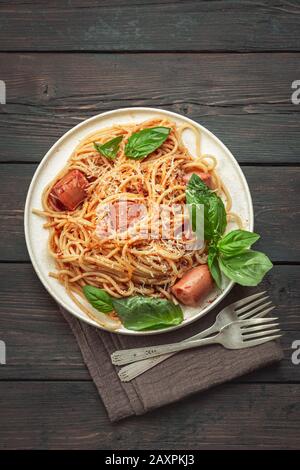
[236, 97]
[244, 98]
[70, 415]
[41, 346]
[253, 138]
[275, 192]
[150, 26]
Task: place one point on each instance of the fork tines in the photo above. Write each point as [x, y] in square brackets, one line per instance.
[260, 328]
[248, 299]
[245, 308]
[264, 329]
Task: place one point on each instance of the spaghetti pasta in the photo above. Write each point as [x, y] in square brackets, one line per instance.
[133, 265]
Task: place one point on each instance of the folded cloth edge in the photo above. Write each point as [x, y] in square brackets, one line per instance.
[122, 400]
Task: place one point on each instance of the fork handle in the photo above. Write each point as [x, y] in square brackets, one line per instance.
[126, 356]
[133, 370]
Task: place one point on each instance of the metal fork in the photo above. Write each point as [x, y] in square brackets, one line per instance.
[232, 312]
[237, 335]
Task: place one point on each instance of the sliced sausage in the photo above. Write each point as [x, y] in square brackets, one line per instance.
[69, 191]
[193, 286]
[206, 177]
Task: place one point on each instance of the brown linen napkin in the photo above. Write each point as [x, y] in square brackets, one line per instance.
[181, 375]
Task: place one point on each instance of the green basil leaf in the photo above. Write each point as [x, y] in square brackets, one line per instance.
[216, 214]
[110, 148]
[98, 298]
[236, 242]
[147, 313]
[214, 211]
[213, 266]
[247, 268]
[142, 143]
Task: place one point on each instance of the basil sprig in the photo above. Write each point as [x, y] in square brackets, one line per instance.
[236, 241]
[228, 254]
[237, 261]
[109, 149]
[246, 268]
[213, 265]
[138, 312]
[98, 298]
[141, 143]
[147, 313]
[214, 211]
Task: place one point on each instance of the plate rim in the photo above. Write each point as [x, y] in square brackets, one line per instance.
[27, 212]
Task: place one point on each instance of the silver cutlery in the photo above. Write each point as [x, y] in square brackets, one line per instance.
[236, 335]
[240, 310]
[233, 338]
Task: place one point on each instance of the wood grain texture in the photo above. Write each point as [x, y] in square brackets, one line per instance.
[69, 415]
[275, 193]
[46, 395]
[253, 138]
[150, 26]
[41, 346]
[234, 95]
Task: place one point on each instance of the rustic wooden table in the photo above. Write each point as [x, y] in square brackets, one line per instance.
[230, 66]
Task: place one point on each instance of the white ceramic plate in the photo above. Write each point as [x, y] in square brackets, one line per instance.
[56, 157]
